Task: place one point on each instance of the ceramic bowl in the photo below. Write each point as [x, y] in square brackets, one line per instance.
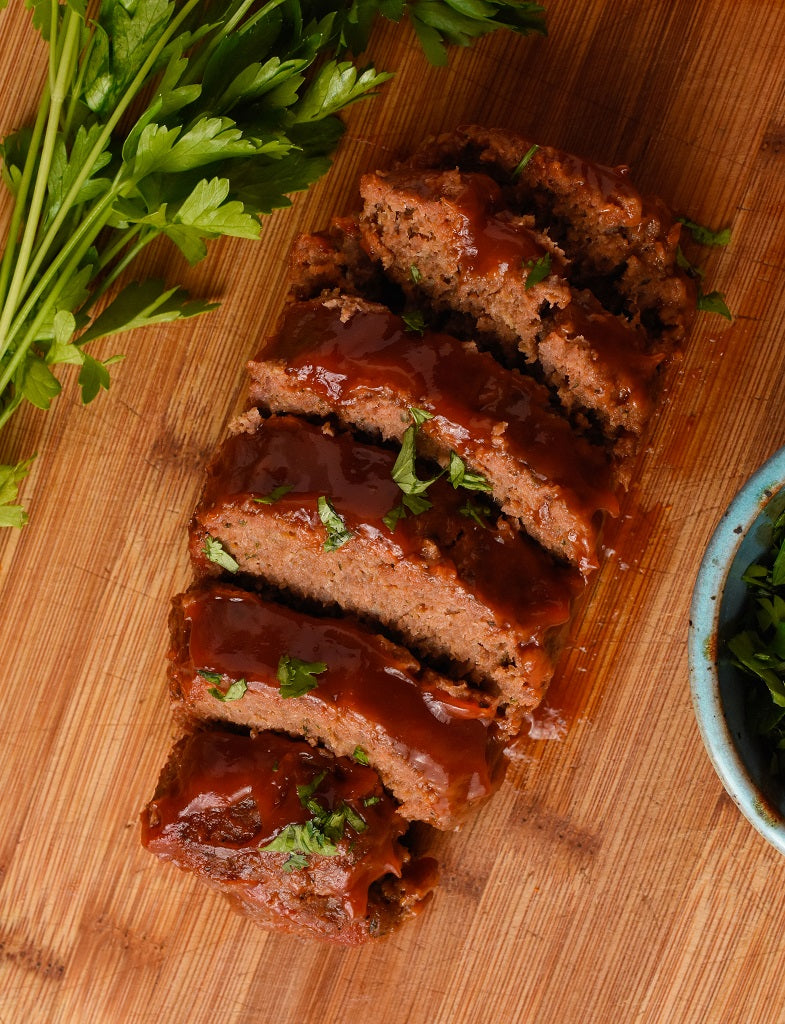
[717, 687]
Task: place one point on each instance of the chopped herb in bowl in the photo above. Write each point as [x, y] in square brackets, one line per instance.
[757, 648]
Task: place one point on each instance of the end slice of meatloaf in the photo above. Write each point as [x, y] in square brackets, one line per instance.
[301, 841]
[240, 658]
[454, 582]
[362, 363]
[620, 243]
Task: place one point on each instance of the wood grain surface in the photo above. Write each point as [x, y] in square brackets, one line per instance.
[611, 879]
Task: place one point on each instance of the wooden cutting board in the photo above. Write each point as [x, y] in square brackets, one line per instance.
[611, 879]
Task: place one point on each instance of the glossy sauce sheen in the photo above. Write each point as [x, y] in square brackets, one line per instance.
[241, 636]
[232, 794]
[467, 390]
[618, 347]
[513, 576]
[486, 243]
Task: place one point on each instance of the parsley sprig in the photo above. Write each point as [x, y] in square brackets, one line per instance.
[185, 121]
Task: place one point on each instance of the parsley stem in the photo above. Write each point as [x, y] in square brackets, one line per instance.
[20, 202]
[66, 264]
[103, 139]
[18, 283]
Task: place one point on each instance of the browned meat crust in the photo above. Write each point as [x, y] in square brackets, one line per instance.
[430, 740]
[223, 797]
[455, 582]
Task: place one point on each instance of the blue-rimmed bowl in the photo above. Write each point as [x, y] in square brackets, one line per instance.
[718, 689]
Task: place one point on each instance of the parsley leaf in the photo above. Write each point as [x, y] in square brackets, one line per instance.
[460, 476]
[538, 269]
[420, 416]
[360, 756]
[415, 321]
[321, 834]
[714, 302]
[525, 159]
[337, 534]
[296, 677]
[235, 691]
[275, 495]
[704, 235]
[214, 551]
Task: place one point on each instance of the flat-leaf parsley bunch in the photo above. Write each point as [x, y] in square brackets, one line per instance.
[189, 119]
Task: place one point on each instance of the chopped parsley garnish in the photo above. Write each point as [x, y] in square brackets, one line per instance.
[214, 551]
[758, 647]
[538, 270]
[414, 320]
[460, 476]
[471, 510]
[360, 756]
[297, 677]
[704, 235]
[707, 302]
[321, 834]
[404, 473]
[420, 416]
[337, 534]
[525, 159]
[369, 801]
[415, 274]
[236, 690]
[275, 495]
[713, 302]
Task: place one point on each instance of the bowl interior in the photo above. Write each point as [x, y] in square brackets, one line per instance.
[718, 688]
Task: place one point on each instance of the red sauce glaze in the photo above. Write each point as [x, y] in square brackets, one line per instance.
[516, 579]
[489, 243]
[468, 391]
[231, 794]
[620, 349]
[241, 636]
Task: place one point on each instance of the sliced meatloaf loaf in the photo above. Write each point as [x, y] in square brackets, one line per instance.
[455, 581]
[619, 243]
[299, 840]
[240, 658]
[365, 365]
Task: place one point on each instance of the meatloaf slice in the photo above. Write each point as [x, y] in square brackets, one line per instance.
[363, 364]
[299, 840]
[454, 582]
[239, 658]
[620, 243]
[452, 236]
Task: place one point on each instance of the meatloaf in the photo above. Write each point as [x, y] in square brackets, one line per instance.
[619, 243]
[301, 841]
[361, 363]
[455, 582]
[240, 658]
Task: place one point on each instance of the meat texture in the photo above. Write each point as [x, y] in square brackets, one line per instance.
[299, 840]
